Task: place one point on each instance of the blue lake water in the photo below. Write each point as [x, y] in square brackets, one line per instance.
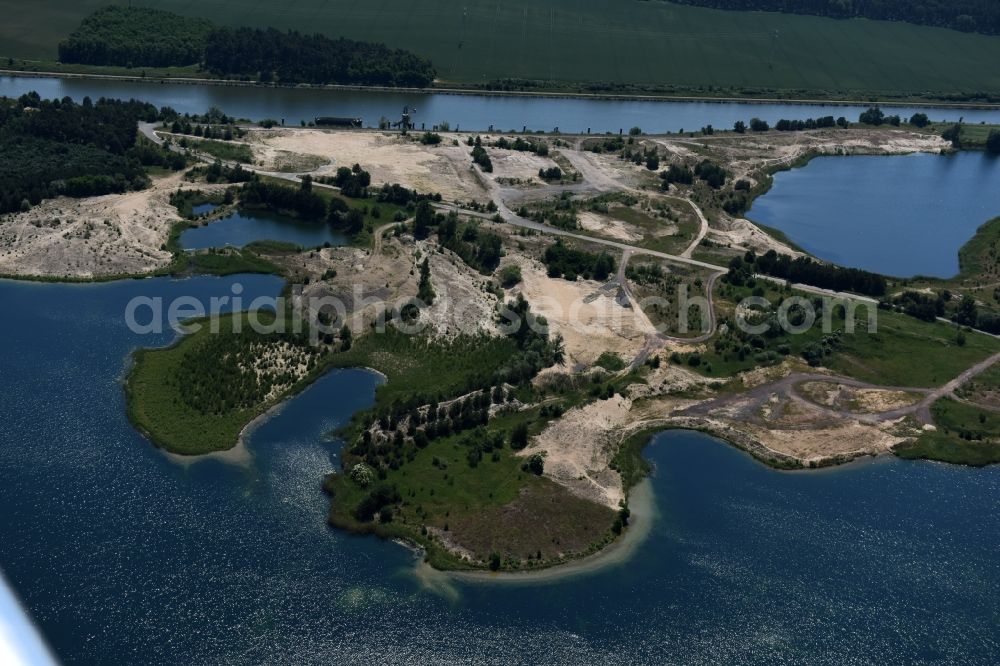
[245, 227]
[124, 556]
[898, 215]
[470, 112]
[201, 209]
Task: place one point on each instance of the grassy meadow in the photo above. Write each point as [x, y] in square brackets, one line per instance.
[966, 434]
[903, 351]
[909, 352]
[620, 42]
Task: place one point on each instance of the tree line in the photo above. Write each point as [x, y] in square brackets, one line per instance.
[965, 15]
[478, 249]
[806, 271]
[352, 181]
[391, 436]
[479, 155]
[401, 196]
[784, 125]
[301, 201]
[539, 148]
[227, 373]
[993, 142]
[293, 57]
[59, 147]
[871, 116]
[567, 263]
[144, 37]
[136, 37]
[930, 306]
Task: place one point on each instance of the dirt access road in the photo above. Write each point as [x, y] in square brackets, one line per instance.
[788, 387]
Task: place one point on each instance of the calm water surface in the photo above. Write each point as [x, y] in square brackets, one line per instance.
[899, 215]
[245, 227]
[201, 209]
[471, 112]
[122, 555]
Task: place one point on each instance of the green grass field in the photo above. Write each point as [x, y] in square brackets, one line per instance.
[612, 41]
[910, 352]
[978, 257]
[493, 507]
[224, 150]
[965, 435]
[903, 351]
[973, 136]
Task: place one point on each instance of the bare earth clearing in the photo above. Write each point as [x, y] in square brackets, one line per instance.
[389, 157]
[85, 238]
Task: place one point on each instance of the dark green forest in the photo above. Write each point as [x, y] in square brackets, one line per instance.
[965, 15]
[143, 37]
[300, 201]
[59, 147]
[805, 271]
[568, 263]
[292, 57]
[136, 37]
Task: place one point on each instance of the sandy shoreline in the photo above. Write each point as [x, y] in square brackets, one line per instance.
[239, 454]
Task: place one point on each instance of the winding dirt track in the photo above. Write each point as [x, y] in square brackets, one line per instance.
[789, 388]
[379, 233]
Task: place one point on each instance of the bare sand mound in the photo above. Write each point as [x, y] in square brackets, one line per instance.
[97, 236]
[461, 304]
[588, 317]
[579, 448]
[846, 440]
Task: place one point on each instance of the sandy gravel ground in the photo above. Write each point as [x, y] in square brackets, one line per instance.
[611, 228]
[857, 400]
[363, 286]
[96, 236]
[389, 157]
[123, 234]
[517, 164]
[745, 234]
[366, 284]
[461, 303]
[750, 152]
[846, 440]
[579, 448]
[588, 317]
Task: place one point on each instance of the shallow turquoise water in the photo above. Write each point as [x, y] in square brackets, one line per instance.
[898, 215]
[124, 556]
[245, 227]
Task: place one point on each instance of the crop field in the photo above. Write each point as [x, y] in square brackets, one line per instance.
[630, 42]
